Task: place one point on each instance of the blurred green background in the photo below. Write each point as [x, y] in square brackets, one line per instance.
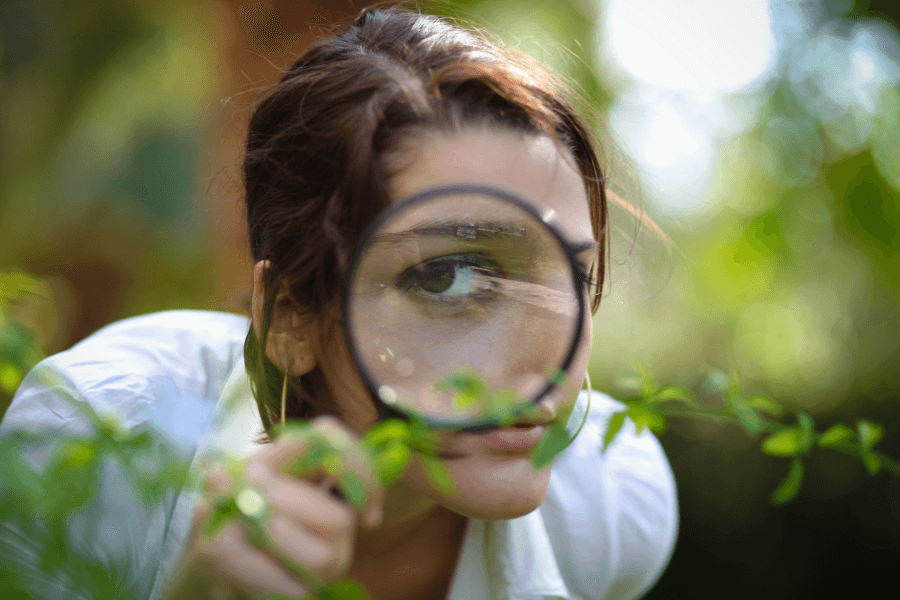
[762, 137]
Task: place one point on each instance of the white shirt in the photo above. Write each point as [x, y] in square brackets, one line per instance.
[606, 529]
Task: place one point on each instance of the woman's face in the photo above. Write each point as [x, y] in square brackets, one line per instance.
[493, 481]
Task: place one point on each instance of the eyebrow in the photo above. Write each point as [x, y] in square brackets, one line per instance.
[470, 231]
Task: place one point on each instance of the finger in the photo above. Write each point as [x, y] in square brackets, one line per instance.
[327, 560]
[282, 451]
[327, 516]
[250, 568]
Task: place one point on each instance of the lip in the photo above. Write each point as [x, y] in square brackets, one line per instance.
[523, 437]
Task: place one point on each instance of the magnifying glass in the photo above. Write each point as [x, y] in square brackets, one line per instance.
[464, 303]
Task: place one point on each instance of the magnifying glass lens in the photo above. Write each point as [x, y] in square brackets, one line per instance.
[460, 305]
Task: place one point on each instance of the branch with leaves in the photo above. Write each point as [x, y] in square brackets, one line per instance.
[788, 435]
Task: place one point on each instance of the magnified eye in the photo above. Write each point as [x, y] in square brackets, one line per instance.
[455, 279]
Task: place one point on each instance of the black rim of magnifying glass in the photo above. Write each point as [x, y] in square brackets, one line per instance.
[385, 410]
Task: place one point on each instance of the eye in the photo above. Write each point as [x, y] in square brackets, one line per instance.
[458, 280]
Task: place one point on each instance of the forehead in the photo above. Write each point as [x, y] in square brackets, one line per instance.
[532, 166]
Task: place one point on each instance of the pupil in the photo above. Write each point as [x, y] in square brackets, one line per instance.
[438, 278]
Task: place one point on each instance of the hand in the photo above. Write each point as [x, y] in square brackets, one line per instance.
[308, 530]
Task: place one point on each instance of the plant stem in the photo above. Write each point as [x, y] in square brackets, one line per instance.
[261, 536]
[711, 415]
[700, 413]
[887, 463]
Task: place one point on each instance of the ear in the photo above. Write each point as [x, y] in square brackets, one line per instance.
[290, 341]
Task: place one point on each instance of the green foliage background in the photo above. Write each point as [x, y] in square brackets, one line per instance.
[794, 282]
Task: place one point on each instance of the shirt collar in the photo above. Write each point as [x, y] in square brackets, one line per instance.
[508, 560]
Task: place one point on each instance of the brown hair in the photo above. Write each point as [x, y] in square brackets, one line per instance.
[316, 170]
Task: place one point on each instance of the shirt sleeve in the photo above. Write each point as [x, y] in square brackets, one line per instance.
[612, 516]
[162, 371]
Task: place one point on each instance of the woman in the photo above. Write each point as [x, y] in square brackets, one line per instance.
[396, 104]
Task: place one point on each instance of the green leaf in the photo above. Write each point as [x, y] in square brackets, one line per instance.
[555, 441]
[422, 437]
[836, 434]
[387, 433]
[346, 589]
[20, 483]
[333, 464]
[765, 404]
[644, 417]
[783, 443]
[223, 513]
[138, 440]
[438, 474]
[673, 393]
[749, 418]
[502, 405]
[869, 434]
[353, 489]
[320, 449]
[613, 427]
[643, 377]
[75, 455]
[10, 377]
[807, 431]
[791, 484]
[71, 478]
[872, 462]
[391, 462]
[469, 385]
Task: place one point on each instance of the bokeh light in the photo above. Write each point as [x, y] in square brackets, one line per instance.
[679, 66]
[696, 46]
